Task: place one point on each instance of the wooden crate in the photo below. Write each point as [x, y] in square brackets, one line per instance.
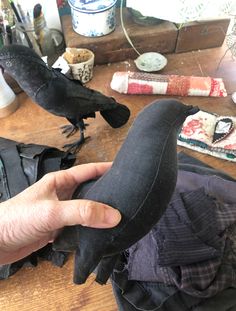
[115, 47]
[201, 35]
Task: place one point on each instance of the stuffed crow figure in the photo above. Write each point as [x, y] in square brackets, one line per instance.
[57, 93]
[139, 184]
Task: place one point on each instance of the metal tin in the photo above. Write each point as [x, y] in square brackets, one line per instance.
[93, 18]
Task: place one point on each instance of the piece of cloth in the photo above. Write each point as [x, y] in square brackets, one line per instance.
[193, 165]
[211, 134]
[193, 245]
[156, 296]
[134, 295]
[215, 185]
[148, 83]
[187, 232]
[30, 163]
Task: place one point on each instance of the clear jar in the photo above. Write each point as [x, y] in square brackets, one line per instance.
[44, 36]
[25, 35]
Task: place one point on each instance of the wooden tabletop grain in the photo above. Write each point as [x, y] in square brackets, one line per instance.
[50, 288]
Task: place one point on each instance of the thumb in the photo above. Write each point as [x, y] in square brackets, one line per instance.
[86, 213]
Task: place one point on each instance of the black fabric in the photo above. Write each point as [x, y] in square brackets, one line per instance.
[191, 164]
[21, 165]
[139, 184]
[183, 235]
[154, 296]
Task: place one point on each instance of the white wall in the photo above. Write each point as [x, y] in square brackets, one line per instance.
[181, 11]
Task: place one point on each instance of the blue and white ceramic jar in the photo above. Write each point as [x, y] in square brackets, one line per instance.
[93, 18]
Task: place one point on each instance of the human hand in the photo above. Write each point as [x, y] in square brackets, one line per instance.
[33, 218]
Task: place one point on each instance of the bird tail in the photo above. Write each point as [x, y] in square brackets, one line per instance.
[116, 117]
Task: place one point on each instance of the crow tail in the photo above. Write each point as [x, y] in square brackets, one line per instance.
[116, 117]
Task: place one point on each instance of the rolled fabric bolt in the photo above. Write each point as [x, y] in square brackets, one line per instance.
[146, 83]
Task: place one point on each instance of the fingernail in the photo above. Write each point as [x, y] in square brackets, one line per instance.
[112, 216]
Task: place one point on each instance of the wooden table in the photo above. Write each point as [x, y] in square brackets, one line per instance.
[49, 288]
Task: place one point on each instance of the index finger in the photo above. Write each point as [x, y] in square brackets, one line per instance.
[67, 180]
[84, 172]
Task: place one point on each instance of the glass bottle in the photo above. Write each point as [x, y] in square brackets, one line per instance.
[43, 33]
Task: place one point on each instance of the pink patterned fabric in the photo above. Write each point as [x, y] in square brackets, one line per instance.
[198, 131]
[146, 83]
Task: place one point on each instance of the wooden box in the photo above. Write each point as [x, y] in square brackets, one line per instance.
[114, 47]
[201, 35]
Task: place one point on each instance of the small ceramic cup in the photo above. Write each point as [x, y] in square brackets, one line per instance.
[83, 71]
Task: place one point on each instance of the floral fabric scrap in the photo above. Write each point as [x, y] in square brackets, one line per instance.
[199, 130]
[146, 83]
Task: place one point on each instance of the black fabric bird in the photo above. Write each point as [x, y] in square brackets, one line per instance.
[59, 94]
[139, 184]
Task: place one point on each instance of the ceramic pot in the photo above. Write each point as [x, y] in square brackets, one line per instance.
[93, 18]
[83, 71]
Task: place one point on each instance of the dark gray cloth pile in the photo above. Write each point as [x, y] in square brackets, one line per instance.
[21, 165]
